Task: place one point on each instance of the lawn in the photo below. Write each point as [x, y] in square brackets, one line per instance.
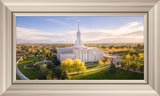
[30, 73]
[97, 66]
[90, 63]
[104, 74]
[17, 77]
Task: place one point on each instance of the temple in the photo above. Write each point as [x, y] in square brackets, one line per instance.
[79, 51]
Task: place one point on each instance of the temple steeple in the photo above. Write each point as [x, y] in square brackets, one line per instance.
[78, 35]
[78, 43]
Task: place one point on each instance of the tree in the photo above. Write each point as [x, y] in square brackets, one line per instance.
[106, 60]
[35, 54]
[141, 59]
[56, 50]
[65, 76]
[24, 56]
[118, 64]
[112, 67]
[21, 59]
[128, 61]
[27, 54]
[50, 66]
[67, 65]
[43, 68]
[133, 57]
[134, 66]
[58, 73]
[100, 62]
[123, 62]
[43, 55]
[78, 65]
[128, 56]
[50, 75]
[127, 65]
[42, 76]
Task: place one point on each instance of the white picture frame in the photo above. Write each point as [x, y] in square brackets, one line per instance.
[10, 87]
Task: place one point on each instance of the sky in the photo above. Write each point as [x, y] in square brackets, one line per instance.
[94, 29]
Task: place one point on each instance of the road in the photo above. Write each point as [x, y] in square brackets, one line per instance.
[22, 76]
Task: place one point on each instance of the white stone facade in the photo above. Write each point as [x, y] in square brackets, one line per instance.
[78, 51]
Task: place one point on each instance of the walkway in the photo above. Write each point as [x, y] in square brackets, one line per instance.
[43, 61]
[22, 76]
[90, 70]
[92, 65]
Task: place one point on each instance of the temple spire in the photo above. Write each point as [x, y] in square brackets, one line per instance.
[78, 43]
[78, 26]
[78, 35]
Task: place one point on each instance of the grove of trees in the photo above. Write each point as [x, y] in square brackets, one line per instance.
[133, 62]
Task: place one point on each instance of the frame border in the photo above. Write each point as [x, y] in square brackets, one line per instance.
[152, 7]
[144, 81]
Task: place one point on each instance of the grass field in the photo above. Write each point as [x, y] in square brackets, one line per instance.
[104, 74]
[17, 77]
[30, 73]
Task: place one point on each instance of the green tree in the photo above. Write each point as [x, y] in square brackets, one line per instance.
[43, 68]
[42, 76]
[58, 73]
[118, 64]
[50, 66]
[112, 67]
[65, 76]
[50, 75]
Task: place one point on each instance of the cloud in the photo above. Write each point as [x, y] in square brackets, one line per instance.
[130, 32]
[60, 22]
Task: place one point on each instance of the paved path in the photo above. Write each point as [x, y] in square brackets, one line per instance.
[22, 76]
[91, 65]
[41, 62]
[90, 70]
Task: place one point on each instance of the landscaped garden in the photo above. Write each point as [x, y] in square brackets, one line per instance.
[100, 74]
[30, 73]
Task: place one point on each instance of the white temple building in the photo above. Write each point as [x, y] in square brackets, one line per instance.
[79, 51]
